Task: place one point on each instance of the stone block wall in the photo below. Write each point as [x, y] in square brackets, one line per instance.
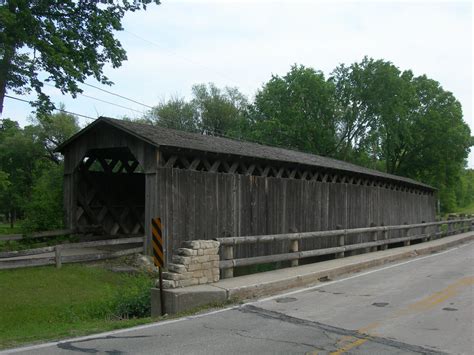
[196, 263]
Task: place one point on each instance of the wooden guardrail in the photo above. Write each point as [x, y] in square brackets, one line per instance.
[6, 261]
[229, 262]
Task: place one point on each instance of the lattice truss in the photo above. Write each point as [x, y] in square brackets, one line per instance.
[284, 172]
[103, 196]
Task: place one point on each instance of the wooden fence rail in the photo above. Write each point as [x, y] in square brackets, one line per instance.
[229, 262]
[59, 258]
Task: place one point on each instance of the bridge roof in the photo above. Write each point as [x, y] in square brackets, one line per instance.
[160, 136]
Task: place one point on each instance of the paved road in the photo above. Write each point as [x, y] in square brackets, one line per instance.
[420, 306]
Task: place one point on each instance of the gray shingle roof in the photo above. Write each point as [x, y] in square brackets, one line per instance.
[160, 136]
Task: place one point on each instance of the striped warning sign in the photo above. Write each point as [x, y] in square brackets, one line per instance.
[157, 242]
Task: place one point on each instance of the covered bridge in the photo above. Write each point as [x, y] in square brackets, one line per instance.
[120, 174]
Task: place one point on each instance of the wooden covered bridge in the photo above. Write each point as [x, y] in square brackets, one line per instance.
[119, 174]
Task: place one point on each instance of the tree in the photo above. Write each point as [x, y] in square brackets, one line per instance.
[20, 156]
[53, 130]
[296, 111]
[219, 110]
[176, 113]
[65, 41]
[44, 207]
[30, 170]
[373, 98]
[440, 141]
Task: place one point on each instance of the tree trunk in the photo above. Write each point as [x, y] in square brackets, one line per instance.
[5, 66]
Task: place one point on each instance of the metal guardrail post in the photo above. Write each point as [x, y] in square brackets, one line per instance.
[294, 248]
[341, 242]
[228, 255]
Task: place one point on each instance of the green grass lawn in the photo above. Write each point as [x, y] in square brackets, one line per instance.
[5, 229]
[468, 209]
[46, 303]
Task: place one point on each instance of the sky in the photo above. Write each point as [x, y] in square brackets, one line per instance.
[242, 43]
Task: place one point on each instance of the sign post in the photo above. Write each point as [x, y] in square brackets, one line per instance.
[158, 255]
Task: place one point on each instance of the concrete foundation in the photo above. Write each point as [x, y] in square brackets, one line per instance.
[186, 298]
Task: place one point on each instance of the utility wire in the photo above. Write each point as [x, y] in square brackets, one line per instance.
[121, 96]
[56, 109]
[97, 99]
[181, 57]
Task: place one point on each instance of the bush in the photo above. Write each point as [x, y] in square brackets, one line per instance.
[44, 210]
[131, 301]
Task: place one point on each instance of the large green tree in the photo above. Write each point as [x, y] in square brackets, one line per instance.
[53, 130]
[219, 111]
[296, 111]
[211, 110]
[30, 170]
[20, 154]
[63, 42]
[176, 113]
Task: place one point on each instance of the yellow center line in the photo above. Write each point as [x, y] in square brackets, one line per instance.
[350, 346]
[420, 306]
[438, 297]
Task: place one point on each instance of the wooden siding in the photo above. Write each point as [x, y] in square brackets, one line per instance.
[210, 204]
[203, 205]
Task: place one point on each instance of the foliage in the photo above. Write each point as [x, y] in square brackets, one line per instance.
[47, 303]
[31, 172]
[133, 301]
[44, 208]
[211, 111]
[370, 113]
[55, 129]
[176, 113]
[68, 41]
[296, 111]
[219, 110]
[19, 154]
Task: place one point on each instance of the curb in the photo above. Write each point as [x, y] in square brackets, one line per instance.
[273, 282]
[309, 278]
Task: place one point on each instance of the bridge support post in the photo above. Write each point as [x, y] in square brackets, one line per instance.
[385, 237]
[341, 242]
[228, 255]
[294, 248]
[405, 234]
[423, 232]
[373, 238]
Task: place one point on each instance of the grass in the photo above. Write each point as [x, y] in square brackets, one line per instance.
[5, 229]
[468, 209]
[46, 303]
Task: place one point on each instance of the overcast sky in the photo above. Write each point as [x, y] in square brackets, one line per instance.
[242, 43]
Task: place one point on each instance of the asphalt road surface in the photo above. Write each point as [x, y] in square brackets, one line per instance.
[419, 306]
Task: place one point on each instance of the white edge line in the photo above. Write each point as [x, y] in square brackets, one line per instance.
[171, 321]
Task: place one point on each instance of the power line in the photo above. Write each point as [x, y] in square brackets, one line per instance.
[97, 99]
[118, 95]
[56, 109]
[183, 58]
